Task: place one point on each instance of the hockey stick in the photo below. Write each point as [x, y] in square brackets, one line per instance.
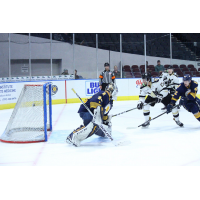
[156, 116]
[131, 109]
[101, 127]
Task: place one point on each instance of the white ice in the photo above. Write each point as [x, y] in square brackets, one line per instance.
[162, 144]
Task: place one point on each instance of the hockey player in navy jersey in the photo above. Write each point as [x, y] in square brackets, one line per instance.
[100, 105]
[187, 90]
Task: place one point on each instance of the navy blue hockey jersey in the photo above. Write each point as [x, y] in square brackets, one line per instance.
[102, 99]
[181, 90]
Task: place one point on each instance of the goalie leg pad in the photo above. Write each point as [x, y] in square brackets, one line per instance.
[81, 134]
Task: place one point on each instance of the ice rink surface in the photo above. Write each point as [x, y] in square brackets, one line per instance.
[163, 143]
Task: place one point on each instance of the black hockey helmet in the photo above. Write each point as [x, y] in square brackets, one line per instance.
[106, 64]
[170, 67]
[146, 76]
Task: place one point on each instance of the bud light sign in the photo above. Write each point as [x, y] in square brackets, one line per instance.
[91, 87]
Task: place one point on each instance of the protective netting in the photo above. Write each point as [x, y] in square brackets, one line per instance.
[28, 118]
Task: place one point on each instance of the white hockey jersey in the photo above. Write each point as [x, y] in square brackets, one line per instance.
[171, 79]
[156, 88]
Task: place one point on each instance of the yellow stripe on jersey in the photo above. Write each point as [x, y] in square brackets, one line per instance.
[174, 99]
[197, 115]
[193, 94]
[94, 104]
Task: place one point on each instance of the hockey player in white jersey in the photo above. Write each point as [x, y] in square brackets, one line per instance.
[171, 81]
[157, 92]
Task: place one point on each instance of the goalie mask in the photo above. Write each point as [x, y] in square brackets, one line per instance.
[113, 90]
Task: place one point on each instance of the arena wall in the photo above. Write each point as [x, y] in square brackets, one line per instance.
[62, 90]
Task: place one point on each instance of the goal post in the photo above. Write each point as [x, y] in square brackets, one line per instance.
[32, 116]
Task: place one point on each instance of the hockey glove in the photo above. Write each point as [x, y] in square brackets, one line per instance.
[159, 98]
[169, 108]
[108, 121]
[140, 105]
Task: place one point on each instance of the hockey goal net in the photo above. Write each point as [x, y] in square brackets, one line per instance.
[32, 115]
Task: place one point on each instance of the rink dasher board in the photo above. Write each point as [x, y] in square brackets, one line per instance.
[128, 90]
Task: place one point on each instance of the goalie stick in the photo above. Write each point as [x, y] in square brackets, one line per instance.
[101, 127]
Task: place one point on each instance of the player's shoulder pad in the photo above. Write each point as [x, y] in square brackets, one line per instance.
[195, 83]
[156, 80]
[175, 75]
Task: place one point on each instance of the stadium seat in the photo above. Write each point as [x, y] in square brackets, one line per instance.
[183, 66]
[175, 66]
[191, 66]
[135, 70]
[134, 66]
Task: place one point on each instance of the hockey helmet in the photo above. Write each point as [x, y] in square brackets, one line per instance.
[146, 76]
[170, 67]
[112, 89]
[187, 77]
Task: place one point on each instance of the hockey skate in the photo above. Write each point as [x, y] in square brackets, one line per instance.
[164, 108]
[146, 124]
[71, 139]
[179, 123]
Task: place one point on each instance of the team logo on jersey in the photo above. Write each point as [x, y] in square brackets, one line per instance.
[91, 87]
[138, 83]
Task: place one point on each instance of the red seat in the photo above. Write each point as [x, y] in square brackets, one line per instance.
[134, 67]
[127, 68]
[190, 66]
[166, 66]
[185, 69]
[137, 76]
[177, 70]
[151, 67]
[183, 66]
[126, 73]
[175, 66]
[194, 73]
[180, 74]
[136, 70]
[193, 69]
[154, 73]
[187, 72]
[142, 66]
[198, 69]
[129, 76]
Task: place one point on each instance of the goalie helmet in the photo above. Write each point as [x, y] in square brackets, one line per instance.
[146, 76]
[113, 90]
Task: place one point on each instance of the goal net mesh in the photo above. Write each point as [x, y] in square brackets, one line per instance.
[26, 123]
